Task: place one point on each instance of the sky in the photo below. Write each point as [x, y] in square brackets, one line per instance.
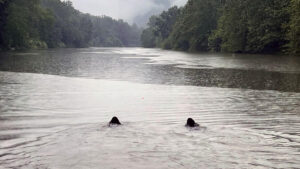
[132, 11]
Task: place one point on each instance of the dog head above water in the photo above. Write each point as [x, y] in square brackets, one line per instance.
[114, 121]
[191, 123]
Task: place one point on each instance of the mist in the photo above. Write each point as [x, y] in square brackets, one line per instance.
[132, 11]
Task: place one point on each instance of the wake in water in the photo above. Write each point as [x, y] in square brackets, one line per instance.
[49, 121]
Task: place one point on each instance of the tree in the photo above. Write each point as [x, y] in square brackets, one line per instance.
[3, 19]
[21, 27]
[251, 26]
[160, 27]
[148, 38]
[242, 26]
[293, 34]
[265, 26]
[55, 23]
[196, 22]
[232, 27]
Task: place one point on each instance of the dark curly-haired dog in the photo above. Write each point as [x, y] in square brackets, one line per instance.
[191, 123]
[114, 121]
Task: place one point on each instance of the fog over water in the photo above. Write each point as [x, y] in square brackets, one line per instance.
[133, 11]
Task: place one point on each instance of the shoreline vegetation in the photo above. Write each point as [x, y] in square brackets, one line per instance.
[38, 24]
[231, 26]
[227, 26]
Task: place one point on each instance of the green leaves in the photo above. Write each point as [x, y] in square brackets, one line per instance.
[247, 26]
[55, 23]
[184, 29]
[293, 34]
[195, 24]
[159, 28]
[21, 24]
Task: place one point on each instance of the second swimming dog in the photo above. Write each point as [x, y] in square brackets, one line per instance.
[114, 121]
[191, 123]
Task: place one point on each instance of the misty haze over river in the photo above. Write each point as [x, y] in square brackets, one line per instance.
[55, 106]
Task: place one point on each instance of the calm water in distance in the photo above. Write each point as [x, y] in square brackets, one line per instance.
[55, 106]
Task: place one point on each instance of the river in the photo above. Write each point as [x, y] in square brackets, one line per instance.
[55, 106]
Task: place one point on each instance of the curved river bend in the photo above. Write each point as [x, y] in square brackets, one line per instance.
[55, 105]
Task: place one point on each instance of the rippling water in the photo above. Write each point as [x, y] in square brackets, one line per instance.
[55, 105]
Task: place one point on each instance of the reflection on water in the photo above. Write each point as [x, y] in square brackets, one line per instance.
[162, 67]
[49, 121]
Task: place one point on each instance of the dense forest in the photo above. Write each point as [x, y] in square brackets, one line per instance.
[53, 23]
[241, 26]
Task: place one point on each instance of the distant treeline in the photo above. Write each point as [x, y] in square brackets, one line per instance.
[53, 23]
[242, 26]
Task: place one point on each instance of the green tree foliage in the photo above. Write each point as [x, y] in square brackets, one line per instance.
[20, 24]
[108, 32]
[195, 24]
[159, 28]
[266, 20]
[3, 19]
[148, 38]
[71, 28]
[294, 27]
[251, 26]
[55, 23]
[75, 29]
[247, 26]
[231, 32]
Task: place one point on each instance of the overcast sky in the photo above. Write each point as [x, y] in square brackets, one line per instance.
[129, 10]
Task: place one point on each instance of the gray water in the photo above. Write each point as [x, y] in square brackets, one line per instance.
[55, 105]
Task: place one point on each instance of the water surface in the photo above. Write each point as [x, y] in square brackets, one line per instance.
[55, 105]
